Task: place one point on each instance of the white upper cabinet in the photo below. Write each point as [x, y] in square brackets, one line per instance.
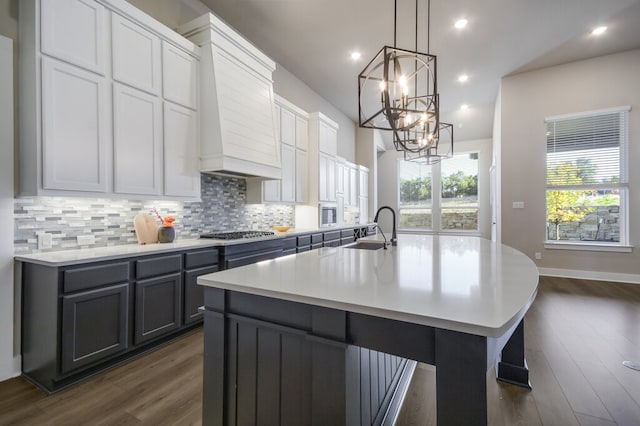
[288, 194]
[287, 127]
[302, 133]
[74, 128]
[302, 176]
[292, 134]
[328, 139]
[91, 102]
[136, 55]
[363, 181]
[137, 141]
[181, 174]
[74, 31]
[179, 76]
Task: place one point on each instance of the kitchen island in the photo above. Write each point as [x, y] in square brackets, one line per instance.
[286, 339]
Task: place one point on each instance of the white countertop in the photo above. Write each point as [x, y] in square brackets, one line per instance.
[95, 254]
[466, 284]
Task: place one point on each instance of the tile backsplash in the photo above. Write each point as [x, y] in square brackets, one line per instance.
[223, 207]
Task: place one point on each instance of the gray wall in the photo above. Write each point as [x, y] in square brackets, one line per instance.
[526, 99]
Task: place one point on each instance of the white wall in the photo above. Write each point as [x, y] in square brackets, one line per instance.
[528, 98]
[388, 179]
[9, 365]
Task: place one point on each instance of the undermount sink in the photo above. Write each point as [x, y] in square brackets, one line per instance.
[366, 245]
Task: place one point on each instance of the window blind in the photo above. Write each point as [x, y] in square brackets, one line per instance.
[587, 149]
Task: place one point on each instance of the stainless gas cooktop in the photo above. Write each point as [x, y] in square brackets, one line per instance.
[237, 235]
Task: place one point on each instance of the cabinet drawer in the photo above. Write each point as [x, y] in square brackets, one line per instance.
[253, 258]
[289, 243]
[196, 259]
[346, 240]
[331, 235]
[316, 246]
[347, 233]
[158, 266]
[302, 249]
[288, 251]
[95, 276]
[316, 238]
[304, 240]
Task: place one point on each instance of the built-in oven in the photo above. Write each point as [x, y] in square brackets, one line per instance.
[328, 214]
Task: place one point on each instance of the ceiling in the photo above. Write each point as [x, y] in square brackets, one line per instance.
[313, 40]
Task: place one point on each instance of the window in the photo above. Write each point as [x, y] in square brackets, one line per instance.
[586, 190]
[442, 197]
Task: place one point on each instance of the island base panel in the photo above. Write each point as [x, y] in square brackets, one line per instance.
[461, 378]
[512, 366]
[257, 372]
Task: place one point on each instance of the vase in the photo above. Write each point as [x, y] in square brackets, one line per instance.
[166, 234]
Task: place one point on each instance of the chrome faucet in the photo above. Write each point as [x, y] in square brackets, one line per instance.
[394, 237]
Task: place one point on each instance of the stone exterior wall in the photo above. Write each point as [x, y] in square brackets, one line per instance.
[453, 219]
[601, 223]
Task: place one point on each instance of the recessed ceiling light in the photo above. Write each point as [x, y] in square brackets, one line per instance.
[599, 31]
[355, 55]
[461, 23]
[463, 78]
[464, 106]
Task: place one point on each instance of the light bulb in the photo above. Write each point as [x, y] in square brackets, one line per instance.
[382, 85]
[599, 31]
[423, 117]
[463, 78]
[461, 23]
[403, 81]
[422, 143]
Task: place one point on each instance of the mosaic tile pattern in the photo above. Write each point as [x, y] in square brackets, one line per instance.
[223, 208]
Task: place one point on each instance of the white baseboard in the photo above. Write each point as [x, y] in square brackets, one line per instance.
[591, 275]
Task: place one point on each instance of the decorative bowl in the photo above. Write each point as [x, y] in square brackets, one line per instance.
[282, 228]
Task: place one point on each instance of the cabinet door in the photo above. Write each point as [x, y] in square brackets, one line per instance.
[136, 55]
[194, 294]
[353, 186]
[328, 139]
[179, 76]
[94, 325]
[331, 179]
[363, 185]
[137, 141]
[323, 178]
[74, 128]
[340, 170]
[288, 182]
[327, 178]
[302, 133]
[302, 176]
[157, 307]
[287, 127]
[271, 191]
[364, 210]
[181, 168]
[74, 31]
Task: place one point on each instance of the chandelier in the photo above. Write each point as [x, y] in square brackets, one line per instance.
[397, 91]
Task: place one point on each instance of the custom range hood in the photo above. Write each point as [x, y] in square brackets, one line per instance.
[237, 123]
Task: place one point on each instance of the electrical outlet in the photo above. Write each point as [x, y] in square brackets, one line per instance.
[85, 240]
[45, 241]
[518, 204]
[538, 255]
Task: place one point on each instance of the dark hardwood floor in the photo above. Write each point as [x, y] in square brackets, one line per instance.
[577, 335]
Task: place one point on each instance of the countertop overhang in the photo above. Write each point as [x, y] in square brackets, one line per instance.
[466, 284]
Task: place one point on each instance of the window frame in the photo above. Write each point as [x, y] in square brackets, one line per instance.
[622, 186]
[436, 201]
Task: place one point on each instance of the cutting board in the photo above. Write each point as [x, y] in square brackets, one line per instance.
[146, 228]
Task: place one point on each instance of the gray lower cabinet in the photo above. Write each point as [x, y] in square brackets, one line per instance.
[94, 324]
[157, 307]
[194, 294]
[81, 319]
